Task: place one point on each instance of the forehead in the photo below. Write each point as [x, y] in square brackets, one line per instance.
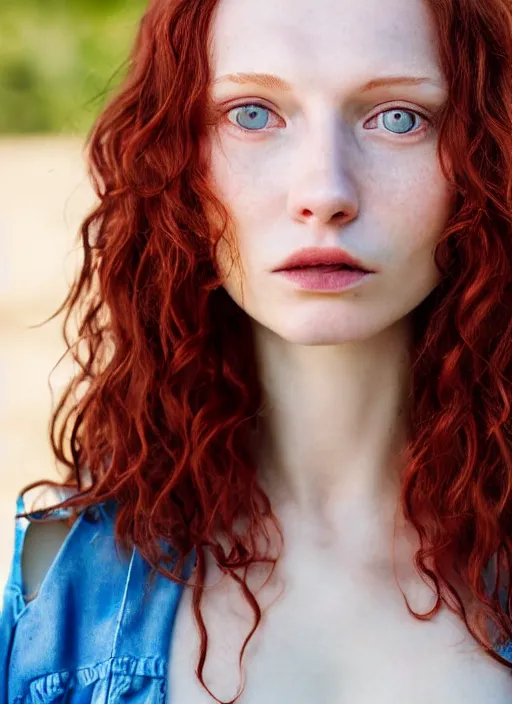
[329, 38]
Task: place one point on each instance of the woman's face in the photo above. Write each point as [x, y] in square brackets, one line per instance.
[326, 161]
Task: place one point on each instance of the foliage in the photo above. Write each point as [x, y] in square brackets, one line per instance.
[58, 59]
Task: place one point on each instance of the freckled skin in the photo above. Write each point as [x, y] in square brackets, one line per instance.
[387, 190]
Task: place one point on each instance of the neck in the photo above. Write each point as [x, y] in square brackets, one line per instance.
[334, 426]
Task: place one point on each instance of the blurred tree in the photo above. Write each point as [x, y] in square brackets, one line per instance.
[58, 58]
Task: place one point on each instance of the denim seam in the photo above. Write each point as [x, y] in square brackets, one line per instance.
[120, 620]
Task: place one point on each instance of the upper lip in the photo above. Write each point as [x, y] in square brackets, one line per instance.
[314, 256]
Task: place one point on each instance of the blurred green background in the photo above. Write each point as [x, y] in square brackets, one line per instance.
[59, 60]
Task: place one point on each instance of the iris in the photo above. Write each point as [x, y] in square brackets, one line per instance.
[399, 119]
[254, 119]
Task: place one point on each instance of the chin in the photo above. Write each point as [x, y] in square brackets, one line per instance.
[317, 339]
[318, 333]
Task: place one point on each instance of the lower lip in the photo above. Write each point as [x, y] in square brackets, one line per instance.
[324, 278]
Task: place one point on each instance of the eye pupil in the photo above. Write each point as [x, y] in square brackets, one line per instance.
[398, 120]
[253, 117]
[252, 112]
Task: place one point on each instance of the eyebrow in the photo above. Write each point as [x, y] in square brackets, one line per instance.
[267, 80]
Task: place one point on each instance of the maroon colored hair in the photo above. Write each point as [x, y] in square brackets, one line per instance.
[169, 396]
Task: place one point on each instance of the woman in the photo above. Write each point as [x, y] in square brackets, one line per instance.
[298, 317]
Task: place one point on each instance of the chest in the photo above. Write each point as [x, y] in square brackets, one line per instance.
[333, 641]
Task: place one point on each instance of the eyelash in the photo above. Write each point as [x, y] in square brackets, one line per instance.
[389, 109]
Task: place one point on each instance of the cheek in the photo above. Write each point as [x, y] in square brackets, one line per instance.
[247, 175]
[252, 201]
[413, 201]
[246, 189]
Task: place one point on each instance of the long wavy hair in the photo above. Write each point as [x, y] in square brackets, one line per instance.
[163, 412]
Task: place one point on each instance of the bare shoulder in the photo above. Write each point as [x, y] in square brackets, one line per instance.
[42, 540]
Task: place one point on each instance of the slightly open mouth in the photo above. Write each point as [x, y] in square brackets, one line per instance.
[326, 267]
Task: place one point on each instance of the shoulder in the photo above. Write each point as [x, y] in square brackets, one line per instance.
[47, 546]
[93, 618]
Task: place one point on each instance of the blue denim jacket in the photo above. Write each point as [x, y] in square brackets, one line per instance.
[95, 632]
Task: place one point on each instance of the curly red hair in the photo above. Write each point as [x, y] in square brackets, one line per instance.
[169, 396]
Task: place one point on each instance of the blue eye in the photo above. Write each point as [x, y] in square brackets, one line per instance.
[251, 116]
[400, 119]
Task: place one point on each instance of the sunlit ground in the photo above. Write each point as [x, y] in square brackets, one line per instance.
[44, 196]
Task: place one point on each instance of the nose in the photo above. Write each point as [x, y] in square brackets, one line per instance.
[323, 191]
